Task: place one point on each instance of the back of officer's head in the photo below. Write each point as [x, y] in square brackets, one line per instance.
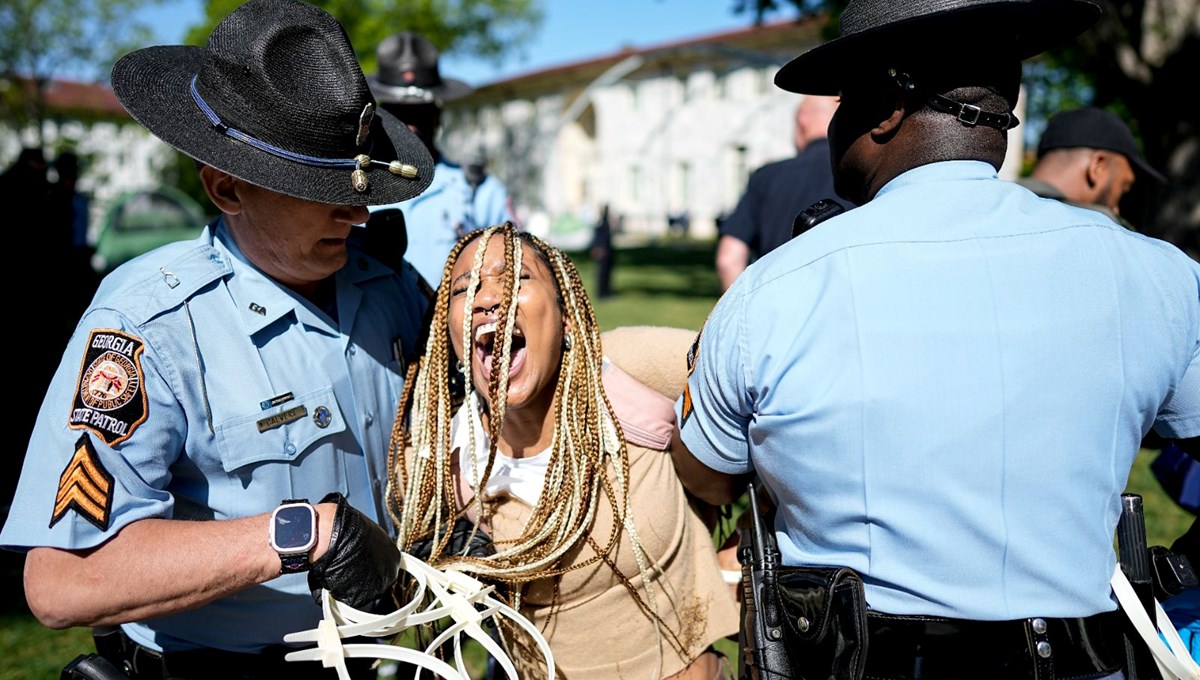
[927, 80]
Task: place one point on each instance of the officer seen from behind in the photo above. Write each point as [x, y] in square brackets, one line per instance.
[944, 389]
[461, 199]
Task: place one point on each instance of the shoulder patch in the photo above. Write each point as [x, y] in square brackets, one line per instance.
[110, 399]
[85, 486]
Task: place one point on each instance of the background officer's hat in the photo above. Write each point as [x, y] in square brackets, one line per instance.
[1094, 128]
[954, 34]
[408, 73]
[277, 98]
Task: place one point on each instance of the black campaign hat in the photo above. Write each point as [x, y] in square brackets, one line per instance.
[1094, 128]
[277, 98]
[409, 74]
[873, 31]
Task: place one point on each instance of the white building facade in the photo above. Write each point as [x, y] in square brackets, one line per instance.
[656, 133]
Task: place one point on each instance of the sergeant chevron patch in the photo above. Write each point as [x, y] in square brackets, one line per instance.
[109, 399]
[85, 487]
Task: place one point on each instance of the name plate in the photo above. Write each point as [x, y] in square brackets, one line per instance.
[282, 418]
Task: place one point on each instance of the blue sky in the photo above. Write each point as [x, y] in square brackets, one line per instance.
[571, 30]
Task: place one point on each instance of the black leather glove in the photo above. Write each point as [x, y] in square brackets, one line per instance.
[362, 562]
[479, 544]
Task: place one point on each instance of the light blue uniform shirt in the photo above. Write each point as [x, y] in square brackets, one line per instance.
[945, 388]
[446, 211]
[213, 339]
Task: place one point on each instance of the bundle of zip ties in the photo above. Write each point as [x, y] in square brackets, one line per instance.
[452, 594]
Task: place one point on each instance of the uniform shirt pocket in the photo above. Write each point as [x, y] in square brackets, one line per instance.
[282, 433]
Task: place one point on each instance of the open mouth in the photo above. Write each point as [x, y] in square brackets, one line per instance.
[485, 345]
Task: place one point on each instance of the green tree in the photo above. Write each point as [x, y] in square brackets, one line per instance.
[1139, 61]
[492, 29]
[42, 39]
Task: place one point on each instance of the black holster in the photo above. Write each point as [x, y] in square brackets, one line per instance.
[824, 613]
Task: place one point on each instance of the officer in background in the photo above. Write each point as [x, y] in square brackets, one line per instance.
[410, 86]
[212, 448]
[777, 192]
[1088, 157]
[944, 389]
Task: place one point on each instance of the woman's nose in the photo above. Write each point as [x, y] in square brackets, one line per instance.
[487, 299]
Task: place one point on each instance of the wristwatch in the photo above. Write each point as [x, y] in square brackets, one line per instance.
[293, 534]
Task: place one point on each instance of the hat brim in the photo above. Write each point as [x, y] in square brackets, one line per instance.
[449, 90]
[1037, 27]
[1141, 166]
[153, 84]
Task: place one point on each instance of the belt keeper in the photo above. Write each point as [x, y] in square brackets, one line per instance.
[1037, 632]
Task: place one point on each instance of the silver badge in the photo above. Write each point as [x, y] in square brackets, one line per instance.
[364, 124]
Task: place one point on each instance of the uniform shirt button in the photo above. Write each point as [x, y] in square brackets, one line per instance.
[352, 350]
[289, 448]
[1039, 626]
[1043, 650]
[369, 418]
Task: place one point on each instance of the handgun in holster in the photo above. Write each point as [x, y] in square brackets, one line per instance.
[1154, 572]
[91, 667]
[764, 654]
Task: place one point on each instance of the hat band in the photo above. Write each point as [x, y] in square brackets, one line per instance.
[410, 92]
[360, 162]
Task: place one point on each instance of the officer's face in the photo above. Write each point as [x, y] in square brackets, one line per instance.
[296, 242]
[850, 144]
[538, 333]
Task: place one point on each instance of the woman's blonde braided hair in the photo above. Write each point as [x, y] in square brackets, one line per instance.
[588, 453]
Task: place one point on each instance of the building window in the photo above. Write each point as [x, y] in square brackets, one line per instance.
[684, 184]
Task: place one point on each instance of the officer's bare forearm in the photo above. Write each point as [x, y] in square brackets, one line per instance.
[733, 256]
[710, 486]
[153, 567]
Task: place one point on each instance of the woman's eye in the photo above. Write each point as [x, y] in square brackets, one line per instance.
[455, 292]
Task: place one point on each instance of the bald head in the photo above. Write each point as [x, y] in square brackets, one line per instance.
[812, 118]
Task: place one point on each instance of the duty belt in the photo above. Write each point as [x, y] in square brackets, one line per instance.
[142, 663]
[931, 648]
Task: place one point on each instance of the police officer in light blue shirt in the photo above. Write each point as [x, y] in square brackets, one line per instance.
[213, 381]
[945, 388]
[461, 198]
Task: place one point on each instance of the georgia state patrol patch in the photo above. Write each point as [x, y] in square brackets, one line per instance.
[85, 486]
[110, 399]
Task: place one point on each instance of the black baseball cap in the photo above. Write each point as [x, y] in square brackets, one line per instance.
[1094, 128]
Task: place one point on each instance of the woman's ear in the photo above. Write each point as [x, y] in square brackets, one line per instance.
[221, 188]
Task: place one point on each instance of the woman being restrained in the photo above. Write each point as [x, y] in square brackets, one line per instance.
[595, 540]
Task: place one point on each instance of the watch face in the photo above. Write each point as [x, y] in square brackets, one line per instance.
[293, 527]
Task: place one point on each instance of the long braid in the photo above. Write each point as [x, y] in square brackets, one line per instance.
[587, 438]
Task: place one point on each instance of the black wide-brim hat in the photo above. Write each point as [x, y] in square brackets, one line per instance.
[409, 73]
[952, 32]
[276, 98]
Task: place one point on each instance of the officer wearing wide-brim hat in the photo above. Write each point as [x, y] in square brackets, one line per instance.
[410, 85]
[945, 388]
[213, 446]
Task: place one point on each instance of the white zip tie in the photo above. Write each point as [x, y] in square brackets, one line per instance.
[456, 595]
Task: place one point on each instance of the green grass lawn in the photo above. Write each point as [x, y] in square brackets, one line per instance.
[668, 284]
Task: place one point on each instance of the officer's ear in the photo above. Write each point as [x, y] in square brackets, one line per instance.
[1097, 169]
[221, 188]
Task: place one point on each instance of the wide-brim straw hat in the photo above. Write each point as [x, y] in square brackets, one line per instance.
[276, 98]
[956, 32]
